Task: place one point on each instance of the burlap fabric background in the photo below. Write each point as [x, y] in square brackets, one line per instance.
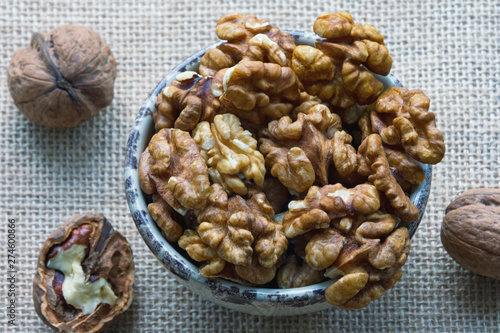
[450, 49]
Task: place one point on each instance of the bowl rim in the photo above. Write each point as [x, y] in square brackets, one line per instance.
[225, 292]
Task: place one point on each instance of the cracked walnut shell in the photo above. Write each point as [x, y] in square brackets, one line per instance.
[107, 257]
[64, 77]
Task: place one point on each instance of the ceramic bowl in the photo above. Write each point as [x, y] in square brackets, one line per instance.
[248, 299]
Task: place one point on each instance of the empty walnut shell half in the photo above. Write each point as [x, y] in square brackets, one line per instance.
[85, 275]
[64, 77]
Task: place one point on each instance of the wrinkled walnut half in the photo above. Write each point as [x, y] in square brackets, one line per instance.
[230, 151]
[177, 169]
[369, 266]
[373, 163]
[354, 50]
[243, 232]
[162, 214]
[187, 101]
[299, 154]
[256, 91]
[402, 117]
[322, 204]
[296, 273]
[248, 38]
[65, 76]
[85, 275]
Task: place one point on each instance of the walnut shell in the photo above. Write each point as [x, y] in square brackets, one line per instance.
[470, 231]
[109, 256]
[64, 77]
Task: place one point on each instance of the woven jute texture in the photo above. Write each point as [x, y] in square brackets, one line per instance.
[450, 49]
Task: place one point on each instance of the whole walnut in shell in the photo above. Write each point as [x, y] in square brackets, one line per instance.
[85, 275]
[470, 231]
[64, 77]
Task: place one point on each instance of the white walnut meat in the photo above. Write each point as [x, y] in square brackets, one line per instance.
[322, 204]
[85, 275]
[256, 91]
[402, 117]
[247, 38]
[299, 147]
[64, 77]
[177, 169]
[242, 232]
[372, 162]
[185, 102]
[354, 50]
[230, 151]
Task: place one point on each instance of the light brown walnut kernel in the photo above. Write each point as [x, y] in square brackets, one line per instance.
[185, 102]
[373, 163]
[230, 151]
[405, 167]
[146, 183]
[322, 204]
[323, 248]
[255, 91]
[354, 50]
[295, 273]
[178, 170]
[404, 118]
[161, 213]
[199, 251]
[289, 145]
[310, 65]
[369, 262]
[239, 229]
[321, 116]
[247, 38]
[213, 61]
[256, 273]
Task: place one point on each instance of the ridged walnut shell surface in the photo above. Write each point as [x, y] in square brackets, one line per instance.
[64, 77]
[470, 231]
[109, 255]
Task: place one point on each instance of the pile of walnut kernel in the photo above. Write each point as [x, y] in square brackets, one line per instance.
[289, 163]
